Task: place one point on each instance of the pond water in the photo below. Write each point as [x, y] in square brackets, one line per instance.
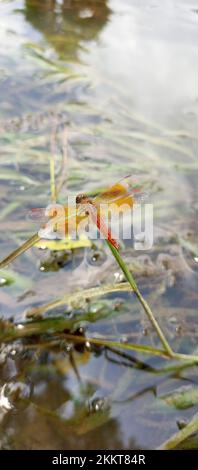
[110, 88]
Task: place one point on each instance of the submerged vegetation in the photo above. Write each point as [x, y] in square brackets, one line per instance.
[93, 338]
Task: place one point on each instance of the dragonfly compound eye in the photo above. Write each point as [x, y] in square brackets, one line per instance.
[80, 198]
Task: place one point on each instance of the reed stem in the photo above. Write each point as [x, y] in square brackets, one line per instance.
[143, 302]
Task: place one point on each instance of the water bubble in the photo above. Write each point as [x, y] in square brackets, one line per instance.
[68, 347]
[178, 329]
[12, 392]
[118, 277]
[7, 351]
[182, 423]
[5, 404]
[97, 258]
[88, 345]
[80, 331]
[173, 319]
[123, 339]
[13, 352]
[118, 305]
[96, 404]
[86, 13]
[145, 331]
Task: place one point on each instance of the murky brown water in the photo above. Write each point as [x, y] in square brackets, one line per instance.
[111, 87]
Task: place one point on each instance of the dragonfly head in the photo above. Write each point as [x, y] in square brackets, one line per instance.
[81, 198]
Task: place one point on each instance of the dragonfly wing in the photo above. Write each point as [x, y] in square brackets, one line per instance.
[64, 223]
[128, 190]
[37, 215]
[111, 194]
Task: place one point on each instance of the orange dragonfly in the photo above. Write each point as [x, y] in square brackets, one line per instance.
[127, 191]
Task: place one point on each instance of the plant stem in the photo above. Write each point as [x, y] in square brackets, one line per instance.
[52, 180]
[52, 164]
[77, 297]
[58, 325]
[180, 436]
[143, 302]
[24, 247]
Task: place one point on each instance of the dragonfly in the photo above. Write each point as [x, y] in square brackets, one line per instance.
[123, 193]
[126, 192]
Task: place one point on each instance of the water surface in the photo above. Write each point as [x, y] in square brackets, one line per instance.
[109, 87]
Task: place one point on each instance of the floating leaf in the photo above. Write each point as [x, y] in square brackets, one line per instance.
[67, 244]
[182, 398]
[10, 277]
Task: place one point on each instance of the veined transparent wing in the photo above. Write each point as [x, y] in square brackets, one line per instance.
[128, 190]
